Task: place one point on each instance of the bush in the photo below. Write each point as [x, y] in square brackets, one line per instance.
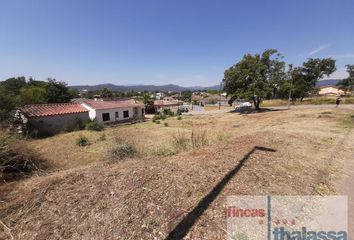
[17, 161]
[179, 118]
[163, 116]
[79, 124]
[82, 141]
[165, 124]
[168, 112]
[93, 125]
[121, 151]
[157, 122]
[155, 118]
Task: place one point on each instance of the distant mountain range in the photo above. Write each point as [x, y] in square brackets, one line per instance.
[327, 82]
[170, 87]
[141, 88]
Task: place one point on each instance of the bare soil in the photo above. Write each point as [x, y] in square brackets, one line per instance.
[291, 152]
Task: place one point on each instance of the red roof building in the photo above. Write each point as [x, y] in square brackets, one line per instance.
[51, 109]
[100, 104]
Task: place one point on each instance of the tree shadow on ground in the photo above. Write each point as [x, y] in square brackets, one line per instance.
[183, 227]
[262, 110]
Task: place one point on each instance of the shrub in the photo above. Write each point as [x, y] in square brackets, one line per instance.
[79, 124]
[82, 141]
[163, 116]
[121, 151]
[179, 118]
[93, 125]
[157, 122]
[165, 124]
[17, 161]
[168, 112]
[155, 118]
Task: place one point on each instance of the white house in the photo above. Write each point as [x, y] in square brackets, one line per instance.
[49, 119]
[330, 90]
[115, 111]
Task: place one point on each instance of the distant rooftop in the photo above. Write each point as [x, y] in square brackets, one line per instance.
[101, 104]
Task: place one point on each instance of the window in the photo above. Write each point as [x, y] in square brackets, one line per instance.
[135, 111]
[125, 114]
[117, 115]
[105, 117]
[142, 111]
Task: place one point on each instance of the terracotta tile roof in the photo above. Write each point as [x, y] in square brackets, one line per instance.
[51, 109]
[165, 103]
[99, 104]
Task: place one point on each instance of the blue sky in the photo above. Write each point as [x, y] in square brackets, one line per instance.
[185, 42]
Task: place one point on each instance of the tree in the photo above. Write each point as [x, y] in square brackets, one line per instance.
[106, 93]
[33, 94]
[186, 95]
[149, 103]
[255, 77]
[347, 84]
[14, 85]
[57, 91]
[305, 77]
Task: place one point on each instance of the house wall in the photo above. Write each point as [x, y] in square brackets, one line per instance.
[92, 112]
[120, 111]
[50, 125]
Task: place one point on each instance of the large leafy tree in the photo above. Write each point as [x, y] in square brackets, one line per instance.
[10, 95]
[17, 91]
[255, 77]
[347, 84]
[149, 103]
[304, 78]
[33, 94]
[57, 91]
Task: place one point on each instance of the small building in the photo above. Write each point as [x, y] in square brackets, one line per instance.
[166, 103]
[330, 91]
[127, 110]
[49, 119]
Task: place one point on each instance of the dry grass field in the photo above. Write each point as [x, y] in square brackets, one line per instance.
[171, 179]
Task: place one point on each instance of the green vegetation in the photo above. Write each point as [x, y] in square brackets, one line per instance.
[155, 118]
[94, 125]
[347, 84]
[168, 112]
[121, 151]
[263, 76]
[18, 92]
[82, 141]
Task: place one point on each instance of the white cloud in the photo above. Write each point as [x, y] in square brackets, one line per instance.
[319, 49]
